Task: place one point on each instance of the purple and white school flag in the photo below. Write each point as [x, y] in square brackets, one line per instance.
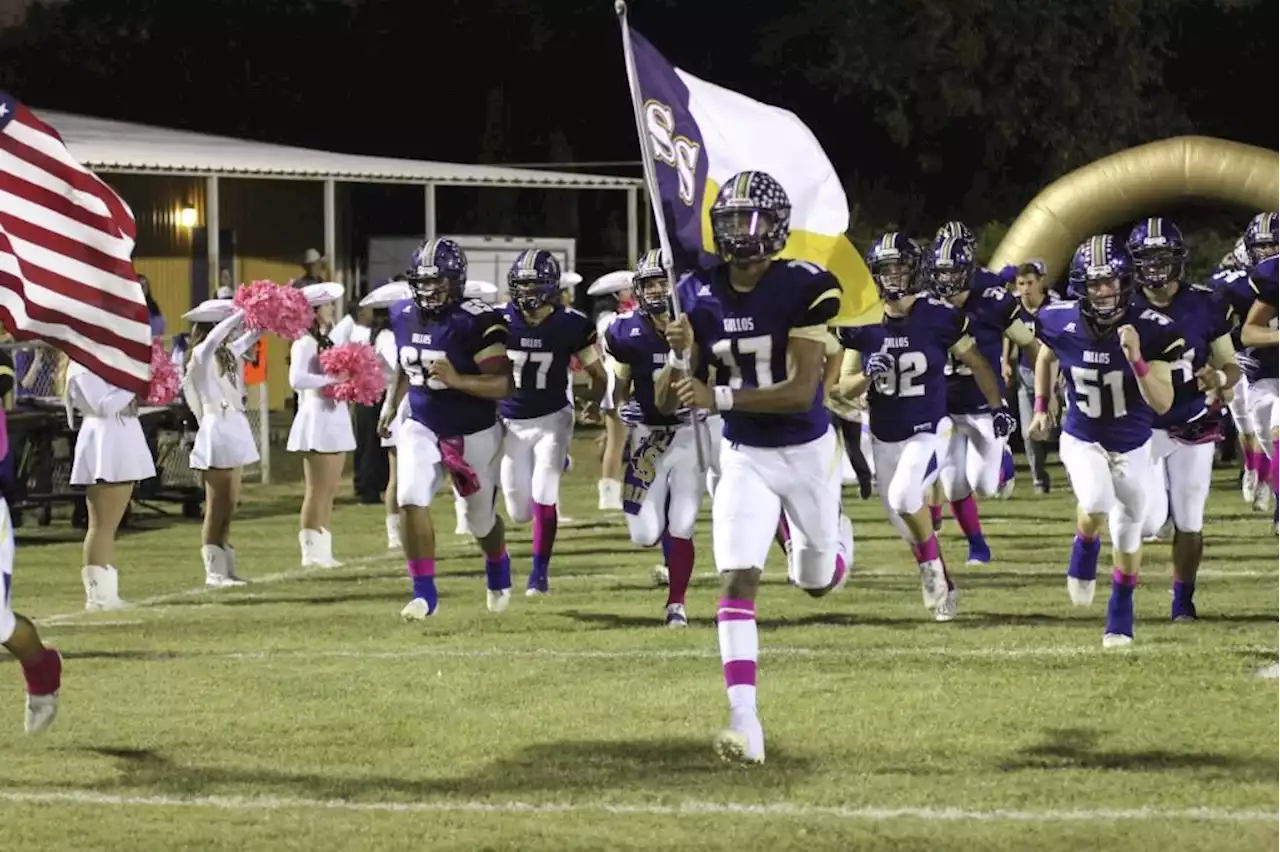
[702, 134]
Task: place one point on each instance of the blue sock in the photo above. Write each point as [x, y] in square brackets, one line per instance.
[425, 588]
[1084, 558]
[666, 549]
[497, 572]
[1120, 608]
[1007, 470]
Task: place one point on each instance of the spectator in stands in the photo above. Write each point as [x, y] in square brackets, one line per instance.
[153, 309]
[314, 269]
[371, 471]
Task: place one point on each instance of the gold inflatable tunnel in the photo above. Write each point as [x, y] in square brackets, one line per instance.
[1135, 183]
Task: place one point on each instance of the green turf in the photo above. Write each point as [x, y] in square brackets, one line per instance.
[300, 713]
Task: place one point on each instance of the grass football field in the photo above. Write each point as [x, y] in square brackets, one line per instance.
[300, 713]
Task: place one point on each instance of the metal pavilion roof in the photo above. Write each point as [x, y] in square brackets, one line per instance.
[122, 147]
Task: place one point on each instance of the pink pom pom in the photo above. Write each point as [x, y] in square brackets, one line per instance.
[358, 370]
[164, 377]
[278, 310]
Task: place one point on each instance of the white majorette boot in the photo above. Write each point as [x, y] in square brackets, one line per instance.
[215, 568]
[101, 588]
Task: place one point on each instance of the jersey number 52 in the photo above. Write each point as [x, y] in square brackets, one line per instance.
[901, 381]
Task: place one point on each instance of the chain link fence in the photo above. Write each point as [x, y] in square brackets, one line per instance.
[43, 442]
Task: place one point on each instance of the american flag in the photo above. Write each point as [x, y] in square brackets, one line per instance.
[66, 247]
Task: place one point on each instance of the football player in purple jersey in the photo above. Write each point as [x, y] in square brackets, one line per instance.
[1183, 438]
[454, 368]
[1251, 410]
[662, 486]
[759, 325]
[900, 363]
[538, 417]
[972, 454]
[1259, 332]
[1116, 359]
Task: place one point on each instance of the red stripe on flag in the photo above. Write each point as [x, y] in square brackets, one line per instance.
[84, 181]
[51, 200]
[70, 248]
[106, 372]
[124, 334]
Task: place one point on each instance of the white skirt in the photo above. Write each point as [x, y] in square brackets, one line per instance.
[225, 440]
[111, 449]
[321, 426]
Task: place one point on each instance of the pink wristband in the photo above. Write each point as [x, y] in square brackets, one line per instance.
[1042, 404]
[1140, 368]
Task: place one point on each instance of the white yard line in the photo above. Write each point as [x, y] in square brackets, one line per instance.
[767, 653]
[692, 808]
[358, 565]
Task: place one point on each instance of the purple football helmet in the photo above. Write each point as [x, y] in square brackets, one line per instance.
[437, 274]
[534, 280]
[1101, 278]
[894, 261]
[1158, 252]
[1260, 238]
[650, 285]
[951, 266]
[751, 218]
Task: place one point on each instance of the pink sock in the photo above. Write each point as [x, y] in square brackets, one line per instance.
[1120, 578]
[739, 649]
[1251, 460]
[545, 522]
[926, 551]
[966, 514]
[1275, 480]
[784, 530]
[935, 514]
[1264, 468]
[422, 567]
[680, 567]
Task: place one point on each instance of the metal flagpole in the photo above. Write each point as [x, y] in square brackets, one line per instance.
[655, 202]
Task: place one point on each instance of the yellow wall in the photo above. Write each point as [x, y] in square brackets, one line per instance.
[274, 223]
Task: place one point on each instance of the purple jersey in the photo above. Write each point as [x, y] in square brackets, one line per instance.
[633, 340]
[991, 310]
[743, 338]
[1239, 291]
[912, 397]
[1201, 317]
[540, 360]
[1263, 282]
[1104, 405]
[460, 333]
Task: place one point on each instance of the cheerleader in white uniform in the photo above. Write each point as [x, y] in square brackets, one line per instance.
[111, 454]
[321, 430]
[618, 285]
[212, 386]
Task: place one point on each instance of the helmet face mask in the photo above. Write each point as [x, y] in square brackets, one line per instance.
[653, 295]
[530, 295]
[431, 294]
[895, 278]
[1157, 268]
